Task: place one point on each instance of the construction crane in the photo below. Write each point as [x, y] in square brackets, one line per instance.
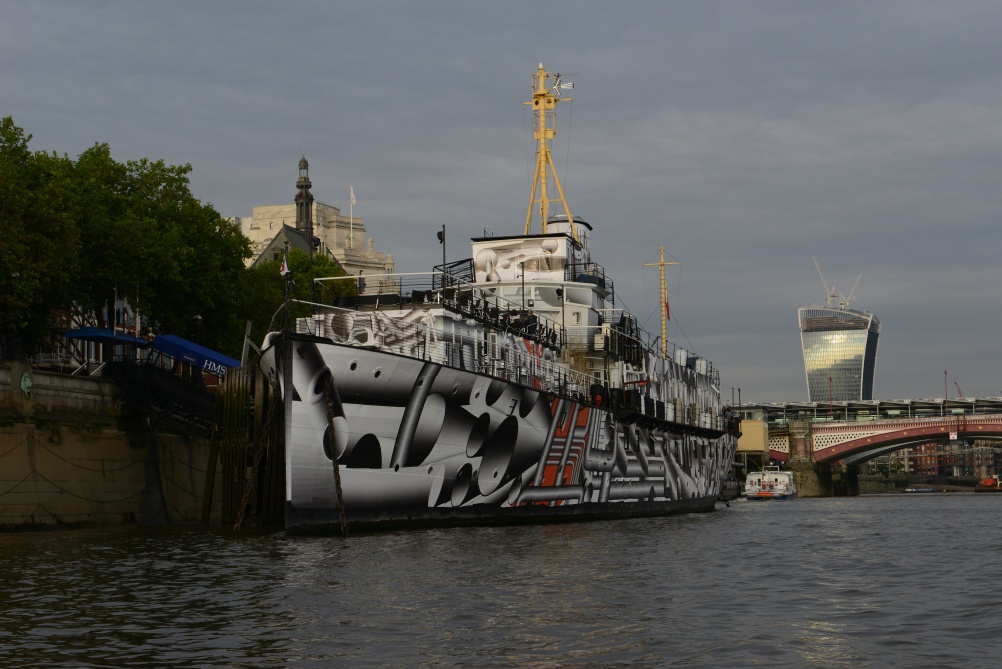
[959, 391]
[832, 297]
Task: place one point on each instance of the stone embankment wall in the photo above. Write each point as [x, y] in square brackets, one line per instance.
[871, 485]
[70, 457]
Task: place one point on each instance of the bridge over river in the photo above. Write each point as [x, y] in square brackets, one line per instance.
[845, 434]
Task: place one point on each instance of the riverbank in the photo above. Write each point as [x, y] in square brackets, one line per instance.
[72, 456]
[60, 474]
[882, 485]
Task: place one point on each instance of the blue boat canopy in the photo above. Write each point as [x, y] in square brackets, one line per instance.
[103, 336]
[195, 354]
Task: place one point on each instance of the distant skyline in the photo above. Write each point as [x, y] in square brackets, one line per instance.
[745, 137]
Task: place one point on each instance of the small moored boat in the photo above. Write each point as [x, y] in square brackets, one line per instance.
[770, 483]
[993, 484]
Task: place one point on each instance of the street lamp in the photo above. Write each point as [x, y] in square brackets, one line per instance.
[197, 323]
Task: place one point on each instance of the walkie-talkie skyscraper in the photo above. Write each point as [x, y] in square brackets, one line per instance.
[840, 348]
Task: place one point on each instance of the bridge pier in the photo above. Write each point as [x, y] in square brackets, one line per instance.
[810, 480]
[845, 480]
[814, 479]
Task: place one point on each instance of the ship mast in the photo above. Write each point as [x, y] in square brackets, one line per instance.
[664, 300]
[544, 102]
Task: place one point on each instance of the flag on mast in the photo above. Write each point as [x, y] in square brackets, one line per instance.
[667, 311]
[284, 269]
[352, 189]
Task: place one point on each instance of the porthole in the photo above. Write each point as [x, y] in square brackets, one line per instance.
[353, 365]
[377, 373]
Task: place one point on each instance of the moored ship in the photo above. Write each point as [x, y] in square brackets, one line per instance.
[770, 483]
[501, 388]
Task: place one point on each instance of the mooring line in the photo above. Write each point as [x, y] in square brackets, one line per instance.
[337, 468]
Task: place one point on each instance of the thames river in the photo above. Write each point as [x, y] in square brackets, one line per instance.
[907, 580]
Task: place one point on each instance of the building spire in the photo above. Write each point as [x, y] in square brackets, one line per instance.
[304, 198]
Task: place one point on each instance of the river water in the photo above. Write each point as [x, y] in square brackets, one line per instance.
[875, 581]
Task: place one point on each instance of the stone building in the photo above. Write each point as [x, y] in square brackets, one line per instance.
[343, 237]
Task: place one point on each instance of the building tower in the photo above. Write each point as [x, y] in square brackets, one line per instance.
[840, 347]
[304, 198]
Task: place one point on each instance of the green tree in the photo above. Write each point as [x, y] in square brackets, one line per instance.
[76, 233]
[146, 236]
[264, 290]
[38, 240]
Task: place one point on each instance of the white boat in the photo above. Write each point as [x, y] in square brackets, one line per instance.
[771, 483]
[504, 387]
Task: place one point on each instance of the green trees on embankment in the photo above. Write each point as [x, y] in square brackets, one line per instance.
[79, 232]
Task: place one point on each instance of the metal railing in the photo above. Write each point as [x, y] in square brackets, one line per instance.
[500, 354]
[416, 291]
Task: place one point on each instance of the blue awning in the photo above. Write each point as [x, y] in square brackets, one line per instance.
[103, 336]
[194, 354]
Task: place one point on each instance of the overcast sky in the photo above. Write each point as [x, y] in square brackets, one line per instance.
[745, 137]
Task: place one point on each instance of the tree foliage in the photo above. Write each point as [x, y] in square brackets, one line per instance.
[39, 239]
[264, 294]
[78, 232]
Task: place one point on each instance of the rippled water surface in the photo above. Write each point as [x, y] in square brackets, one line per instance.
[876, 581]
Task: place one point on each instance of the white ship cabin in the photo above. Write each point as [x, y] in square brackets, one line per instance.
[550, 274]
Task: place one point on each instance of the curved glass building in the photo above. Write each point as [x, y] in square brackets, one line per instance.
[840, 350]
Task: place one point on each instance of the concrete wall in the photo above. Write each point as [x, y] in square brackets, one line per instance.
[68, 476]
[54, 393]
[68, 458]
[882, 484]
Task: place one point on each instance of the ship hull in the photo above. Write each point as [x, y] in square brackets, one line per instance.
[768, 496]
[419, 443]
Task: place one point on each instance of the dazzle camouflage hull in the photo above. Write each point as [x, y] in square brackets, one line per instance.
[417, 441]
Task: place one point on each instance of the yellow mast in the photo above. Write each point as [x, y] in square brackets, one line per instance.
[664, 300]
[544, 102]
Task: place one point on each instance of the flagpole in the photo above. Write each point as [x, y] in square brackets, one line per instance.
[351, 216]
[287, 275]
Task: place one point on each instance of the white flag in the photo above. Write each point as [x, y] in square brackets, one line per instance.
[284, 269]
[352, 189]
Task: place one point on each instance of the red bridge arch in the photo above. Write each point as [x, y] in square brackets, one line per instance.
[838, 441]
